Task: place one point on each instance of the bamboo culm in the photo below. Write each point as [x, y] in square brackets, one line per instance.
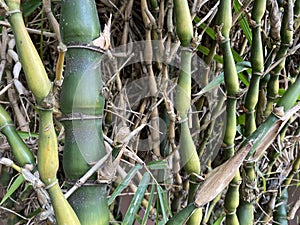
[19, 149]
[188, 152]
[82, 106]
[224, 23]
[280, 212]
[245, 210]
[286, 34]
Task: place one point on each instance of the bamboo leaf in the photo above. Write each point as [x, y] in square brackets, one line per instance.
[136, 200]
[267, 137]
[181, 217]
[243, 21]
[138, 219]
[205, 51]
[219, 220]
[162, 201]
[26, 135]
[124, 183]
[15, 185]
[157, 165]
[240, 67]
[220, 177]
[145, 219]
[208, 30]
[29, 6]
[236, 56]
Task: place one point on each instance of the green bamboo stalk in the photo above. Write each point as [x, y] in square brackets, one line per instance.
[224, 23]
[188, 152]
[38, 81]
[246, 209]
[82, 106]
[257, 63]
[40, 86]
[280, 212]
[286, 34]
[272, 48]
[19, 149]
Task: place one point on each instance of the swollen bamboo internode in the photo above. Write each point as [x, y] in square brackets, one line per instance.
[224, 23]
[187, 149]
[37, 78]
[82, 106]
[247, 197]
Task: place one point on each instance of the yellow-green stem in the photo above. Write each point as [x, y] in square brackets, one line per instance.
[246, 209]
[286, 34]
[64, 214]
[32, 65]
[224, 23]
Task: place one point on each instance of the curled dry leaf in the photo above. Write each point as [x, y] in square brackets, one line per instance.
[220, 177]
[275, 20]
[103, 41]
[268, 139]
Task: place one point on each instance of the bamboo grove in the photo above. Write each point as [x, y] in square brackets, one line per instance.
[149, 112]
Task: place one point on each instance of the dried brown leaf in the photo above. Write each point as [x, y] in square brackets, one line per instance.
[103, 41]
[275, 20]
[220, 177]
[274, 130]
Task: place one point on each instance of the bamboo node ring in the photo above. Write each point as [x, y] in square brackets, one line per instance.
[9, 13]
[230, 213]
[223, 40]
[6, 125]
[258, 73]
[186, 49]
[42, 108]
[228, 147]
[79, 116]
[255, 25]
[231, 97]
[182, 120]
[249, 111]
[86, 46]
[51, 184]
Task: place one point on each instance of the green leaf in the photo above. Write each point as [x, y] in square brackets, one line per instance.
[205, 51]
[124, 183]
[219, 220]
[243, 21]
[181, 217]
[241, 120]
[15, 185]
[136, 200]
[208, 30]
[240, 67]
[162, 201]
[146, 215]
[236, 56]
[138, 219]
[157, 165]
[26, 135]
[30, 6]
